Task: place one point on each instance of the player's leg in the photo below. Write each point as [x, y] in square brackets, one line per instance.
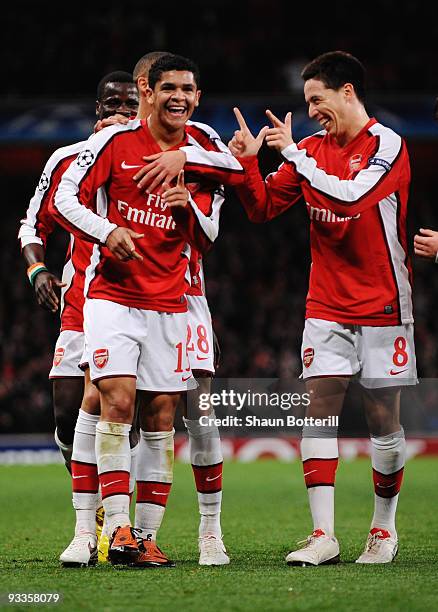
[113, 455]
[388, 357]
[67, 395]
[319, 453]
[113, 337]
[163, 374]
[388, 455]
[85, 483]
[329, 360]
[204, 440]
[154, 471]
[207, 462]
[68, 389]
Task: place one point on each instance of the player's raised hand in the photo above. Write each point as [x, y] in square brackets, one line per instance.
[279, 136]
[244, 143]
[120, 243]
[45, 287]
[425, 244]
[160, 168]
[176, 196]
[113, 120]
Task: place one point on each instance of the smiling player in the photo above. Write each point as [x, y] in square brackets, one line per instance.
[354, 176]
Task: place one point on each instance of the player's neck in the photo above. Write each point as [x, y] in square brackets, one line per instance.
[165, 138]
[144, 109]
[355, 125]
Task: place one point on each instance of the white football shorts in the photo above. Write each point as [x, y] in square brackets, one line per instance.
[200, 346]
[67, 355]
[377, 356]
[145, 344]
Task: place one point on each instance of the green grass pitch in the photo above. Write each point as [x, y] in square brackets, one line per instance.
[264, 513]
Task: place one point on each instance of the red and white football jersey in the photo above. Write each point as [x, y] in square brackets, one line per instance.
[110, 159]
[356, 197]
[39, 224]
[218, 165]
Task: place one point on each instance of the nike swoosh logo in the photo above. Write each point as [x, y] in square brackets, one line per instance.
[201, 358]
[110, 483]
[183, 378]
[311, 472]
[385, 486]
[126, 166]
[393, 373]
[208, 479]
[158, 493]
[84, 476]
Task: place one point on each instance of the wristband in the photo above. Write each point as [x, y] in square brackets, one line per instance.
[34, 270]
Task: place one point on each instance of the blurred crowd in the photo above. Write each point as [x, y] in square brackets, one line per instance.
[248, 46]
[256, 285]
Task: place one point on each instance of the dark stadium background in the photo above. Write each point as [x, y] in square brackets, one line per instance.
[250, 54]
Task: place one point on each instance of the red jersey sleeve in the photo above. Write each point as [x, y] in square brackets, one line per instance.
[207, 156]
[265, 199]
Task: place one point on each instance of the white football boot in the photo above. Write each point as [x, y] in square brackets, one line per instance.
[381, 547]
[317, 549]
[81, 552]
[212, 551]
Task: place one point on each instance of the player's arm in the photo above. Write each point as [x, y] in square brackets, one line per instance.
[36, 226]
[197, 228]
[387, 169]
[72, 203]
[206, 157]
[44, 282]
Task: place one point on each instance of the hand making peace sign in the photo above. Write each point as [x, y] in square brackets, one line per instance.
[280, 135]
[243, 143]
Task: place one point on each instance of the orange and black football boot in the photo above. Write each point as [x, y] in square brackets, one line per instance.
[123, 547]
[151, 556]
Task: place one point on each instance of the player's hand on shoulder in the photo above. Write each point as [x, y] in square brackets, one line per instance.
[279, 136]
[121, 244]
[244, 143]
[177, 196]
[160, 168]
[426, 243]
[113, 120]
[46, 285]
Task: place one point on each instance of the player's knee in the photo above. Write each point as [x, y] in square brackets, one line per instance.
[65, 426]
[118, 406]
[67, 395]
[91, 400]
[164, 421]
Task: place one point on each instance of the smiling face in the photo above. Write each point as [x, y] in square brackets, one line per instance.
[174, 98]
[332, 108]
[121, 98]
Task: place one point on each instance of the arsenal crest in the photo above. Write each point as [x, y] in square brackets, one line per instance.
[308, 356]
[355, 162]
[100, 358]
[57, 357]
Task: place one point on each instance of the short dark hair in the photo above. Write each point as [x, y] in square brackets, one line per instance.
[118, 76]
[144, 64]
[336, 68]
[172, 62]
